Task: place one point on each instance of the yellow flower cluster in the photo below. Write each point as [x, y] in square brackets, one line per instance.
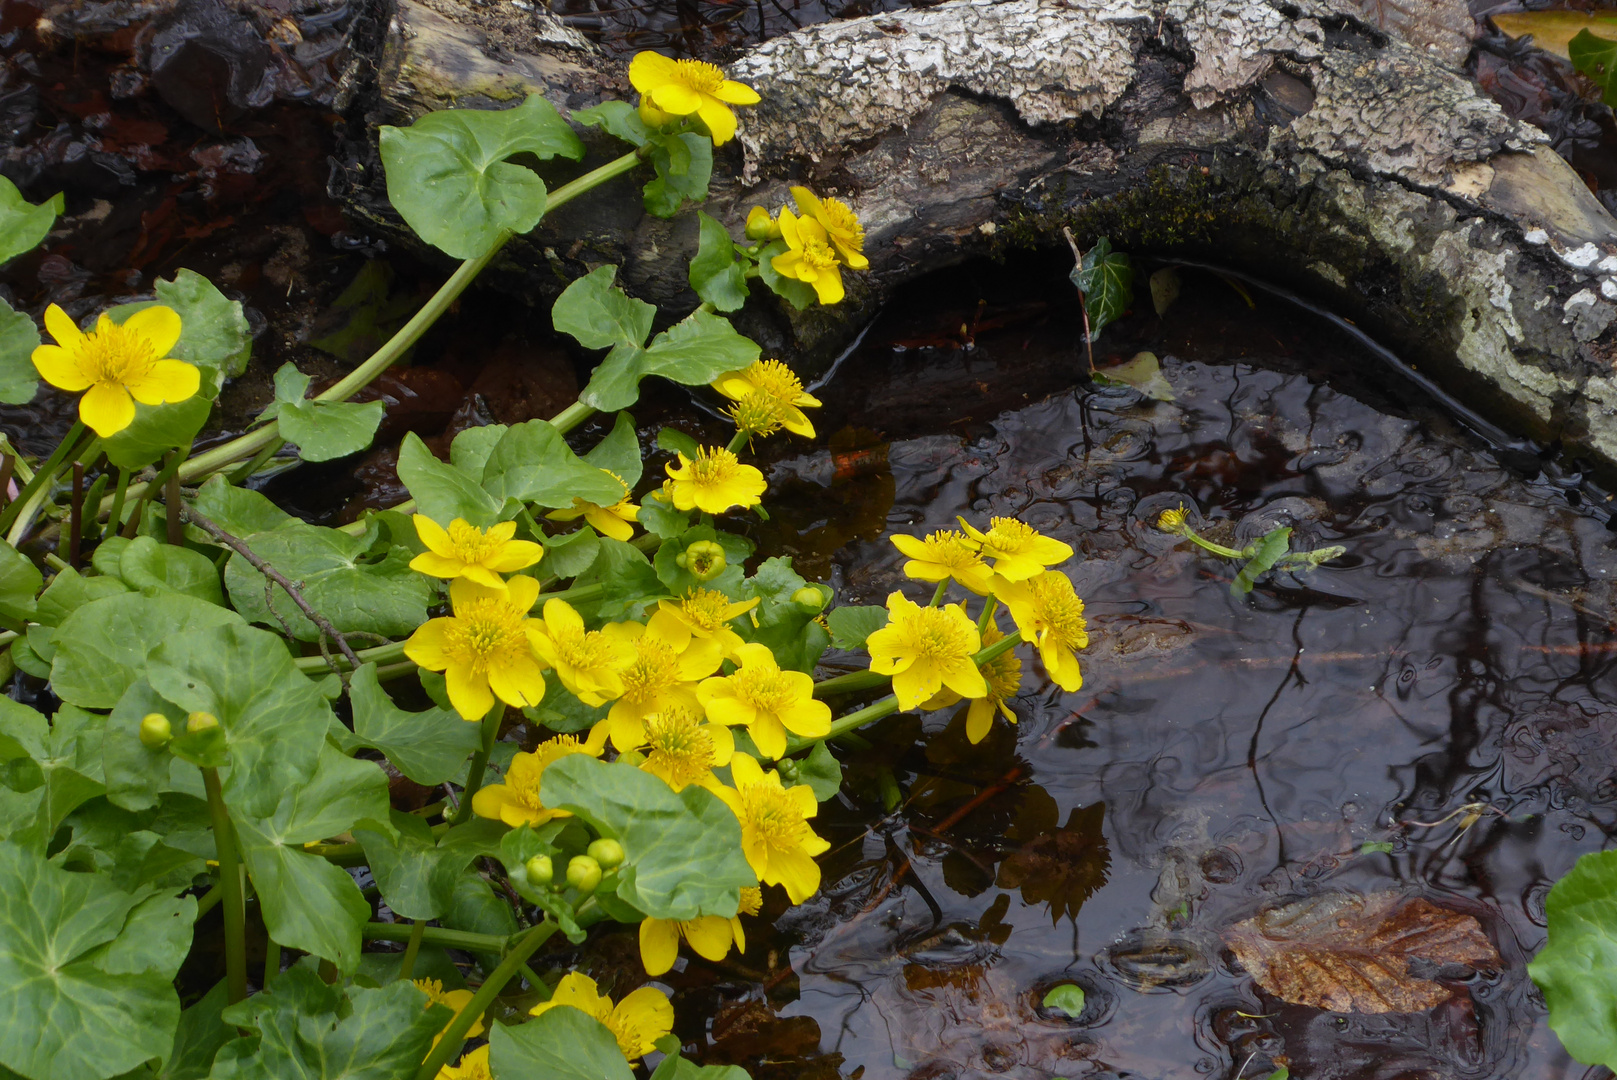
[822, 239]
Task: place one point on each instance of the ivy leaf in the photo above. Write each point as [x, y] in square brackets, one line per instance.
[19, 337]
[601, 315]
[1577, 970]
[20, 580]
[88, 972]
[532, 463]
[694, 351]
[800, 294]
[1106, 279]
[102, 646]
[619, 452]
[417, 876]
[429, 747]
[448, 177]
[558, 1044]
[851, 626]
[618, 119]
[684, 164]
[1596, 58]
[214, 329]
[682, 851]
[441, 491]
[303, 1028]
[714, 273]
[322, 429]
[22, 224]
[155, 568]
[1270, 549]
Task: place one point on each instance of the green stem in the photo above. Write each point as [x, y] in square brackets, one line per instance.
[1208, 545]
[990, 606]
[998, 648]
[272, 960]
[739, 440]
[407, 965]
[381, 654]
[209, 901]
[572, 416]
[243, 474]
[449, 1043]
[117, 510]
[577, 592]
[28, 500]
[937, 597]
[230, 881]
[474, 775]
[851, 682]
[437, 935]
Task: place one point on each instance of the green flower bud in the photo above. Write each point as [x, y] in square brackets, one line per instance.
[632, 757]
[200, 721]
[540, 870]
[787, 767]
[155, 731]
[583, 873]
[608, 853]
[810, 597]
[704, 559]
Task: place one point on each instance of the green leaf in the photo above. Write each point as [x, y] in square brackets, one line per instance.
[87, 989]
[1270, 549]
[429, 747]
[328, 566]
[22, 224]
[20, 580]
[19, 379]
[715, 274]
[69, 590]
[694, 351]
[1066, 999]
[790, 629]
[322, 429]
[308, 903]
[214, 330]
[534, 464]
[618, 119]
[476, 908]
[238, 510]
[1143, 373]
[157, 429]
[821, 771]
[675, 441]
[1106, 279]
[53, 766]
[201, 1033]
[155, 568]
[601, 315]
[800, 294]
[417, 876]
[1577, 970]
[682, 850]
[448, 177]
[679, 580]
[303, 1029]
[1596, 58]
[470, 450]
[441, 491]
[674, 1067]
[684, 164]
[558, 1044]
[102, 646]
[628, 583]
[570, 554]
[561, 711]
[129, 848]
[619, 452]
[851, 626]
[659, 518]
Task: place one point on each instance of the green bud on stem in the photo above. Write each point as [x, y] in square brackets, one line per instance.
[608, 853]
[540, 870]
[155, 731]
[583, 873]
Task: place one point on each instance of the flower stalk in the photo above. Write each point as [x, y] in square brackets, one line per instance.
[235, 907]
[450, 1042]
[474, 774]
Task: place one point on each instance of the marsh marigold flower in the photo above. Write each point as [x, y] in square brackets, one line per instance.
[636, 1022]
[925, 650]
[945, 554]
[768, 701]
[465, 551]
[841, 227]
[686, 87]
[682, 748]
[709, 613]
[713, 482]
[518, 801]
[473, 1066]
[666, 666]
[1004, 677]
[1051, 616]
[116, 365]
[776, 383]
[809, 257]
[586, 661]
[452, 999]
[484, 649]
[1172, 521]
[1019, 551]
[710, 936]
[775, 834]
[614, 521]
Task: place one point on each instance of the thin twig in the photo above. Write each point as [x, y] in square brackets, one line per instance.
[239, 546]
[1083, 308]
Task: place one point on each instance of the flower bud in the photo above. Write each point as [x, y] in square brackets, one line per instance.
[1172, 521]
[652, 116]
[810, 597]
[761, 225]
[200, 721]
[704, 560]
[583, 873]
[155, 731]
[632, 757]
[787, 767]
[608, 853]
[540, 870]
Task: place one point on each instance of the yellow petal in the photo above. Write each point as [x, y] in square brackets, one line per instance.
[709, 936]
[435, 565]
[675, 99]
[979, 718]
[649, 1012]
[828, 286]
[471, 572]
[516, 555]
[502, 532]
[159, 325]
[724, 743]
[808, 718]
[735, 93]
[744, 770]
[468, 693]
[720, 120]
[524, 591]
[426, 645]
[659, 945]
[798, 874]
[433, 535]
[57, 367]
[768, 735]
[608, 523]
[106, 408]
[648, 70]
[519, 683]
[490, 799]
[61, 326]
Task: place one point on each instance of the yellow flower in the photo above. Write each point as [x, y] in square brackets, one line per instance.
[683, 87]
[1019, 551]
[775, 834]
[809, 257]
[710, 935]
[611, 520]
[757, 415]
[485, 650]
[473, 1066]
[637, 1022]
[667, 665]
[769, 701]
[1050, 615]
[761, 225]
[464, 550]
[682, 749]
[454, 999]
[1172, 521]
[840, 225]
[114, 363]
[709, 613]
[777, 383]
[1004, 677]
[945, 554]
[713, 482]
[925, 650]
[517, 801]
[586, 661]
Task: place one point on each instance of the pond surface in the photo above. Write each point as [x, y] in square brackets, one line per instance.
[1224, 755]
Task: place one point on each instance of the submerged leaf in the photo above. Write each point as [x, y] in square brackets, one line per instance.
[1352, 954]
[1164, 289]
[1067, 999]
[1596, 57]
[1143, 373]
[1553, 31]
[1270, 549]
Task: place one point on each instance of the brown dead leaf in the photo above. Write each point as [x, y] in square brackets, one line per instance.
[1352, 954]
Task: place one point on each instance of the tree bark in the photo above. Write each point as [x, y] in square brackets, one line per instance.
[1290, 139]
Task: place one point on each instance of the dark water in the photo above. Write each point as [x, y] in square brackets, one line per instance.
[1224, 755]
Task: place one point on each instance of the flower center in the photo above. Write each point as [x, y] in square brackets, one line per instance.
[434, 989]
[583, 649]
[758, 413]
[764, 689]
[487, 633]
[471, 544]
[938, 637]
[679, 746]
[705, 609]
[775, 817]
[654, 670]
[696, 75]
[631, 1033]
[1009, 536]
[840, 217]
[775, 380]
[818, 254]
[713, 465]
[1062, 611]
[114, 354]
[752, 900]
[949, 548]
